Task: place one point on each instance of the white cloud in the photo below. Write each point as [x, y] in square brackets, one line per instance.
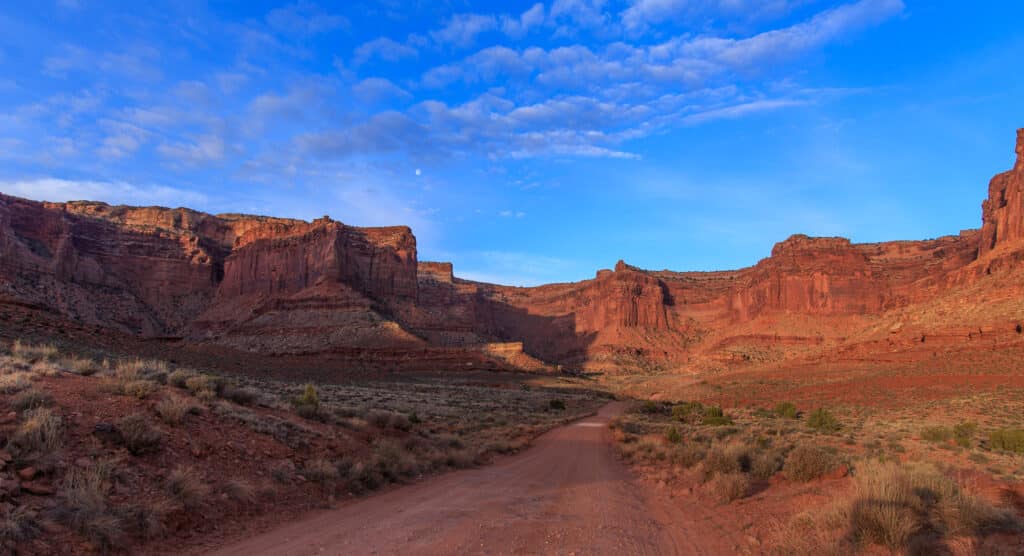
[462, 29]
[376, 89]
[55, 189]
[530, 19]
[384, 48]
[206, 149]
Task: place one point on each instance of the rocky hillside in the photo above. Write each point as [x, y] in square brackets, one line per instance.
[287, 287]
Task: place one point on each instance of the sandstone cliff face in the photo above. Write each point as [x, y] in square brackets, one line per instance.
[1003, 212]
[280, 286]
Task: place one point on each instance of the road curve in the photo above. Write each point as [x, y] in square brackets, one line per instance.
[568, 494]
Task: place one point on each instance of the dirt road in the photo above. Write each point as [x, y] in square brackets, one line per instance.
[568, 494]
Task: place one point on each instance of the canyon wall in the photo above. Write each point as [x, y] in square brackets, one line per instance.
[279, 286]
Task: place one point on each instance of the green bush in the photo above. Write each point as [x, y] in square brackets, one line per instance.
[673, 435]
[1007, 440]
[687, 411]
[964, 433]
[786, 410]
[822, 420]
[650, 407]
[714, 416]
[308, 404]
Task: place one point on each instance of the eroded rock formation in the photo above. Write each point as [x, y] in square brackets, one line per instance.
[287, 287]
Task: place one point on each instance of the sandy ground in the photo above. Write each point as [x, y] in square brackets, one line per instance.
[569, 494]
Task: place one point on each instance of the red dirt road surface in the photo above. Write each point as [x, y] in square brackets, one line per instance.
[568, 494]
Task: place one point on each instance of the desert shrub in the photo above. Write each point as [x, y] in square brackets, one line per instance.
[83, 507]
[414, 418]
[650, 407]
[31, 399]
[937, 434]
[714, 416]
[1007, 440]
[392, 461]
[239, 394]
[201, 386]
[321, 471]
[17, 526]
[307, 405]
[39, 434]
[730, 486]
[786, 410]
[673, 436]
[34, 352]
[240, 491]
[722, 460]
[808, 462]
[388, 419]
[893, 503]
[136, 369]
[963, 433]
[179, 378]
[80, 366]
[822, 420]
[139, 435]
[172, 410]
[557, 405]
[186, 488]
[46, 368]
[687, 455]
[140, 389]
[765, 464]
[15, 382]
[687, 412]
[145, 519]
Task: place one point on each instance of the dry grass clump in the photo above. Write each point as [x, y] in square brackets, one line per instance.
[203, 387]
[31, 398]
[139, 435]
[33, 352]
[240, 491]
[83, 507]
[137, 369]
[186, 488]
[807, 462]
[39, 434]
[730, 486]
[724, 460]
[687, 455]
[765, 464]
[389, 420]
[902, 505]
[239, 395]
[80, 366]
[173, 409]
[140, 389]
[17, 526]
[321, 471]
[15, 382]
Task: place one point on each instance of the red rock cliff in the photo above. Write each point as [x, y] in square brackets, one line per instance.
[1003, 212]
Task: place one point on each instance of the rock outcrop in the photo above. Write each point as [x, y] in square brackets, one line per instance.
[277, 286]
[1003, 212]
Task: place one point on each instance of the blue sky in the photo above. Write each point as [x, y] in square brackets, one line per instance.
[527, 142]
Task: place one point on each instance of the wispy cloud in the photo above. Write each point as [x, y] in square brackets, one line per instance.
[55, 189]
